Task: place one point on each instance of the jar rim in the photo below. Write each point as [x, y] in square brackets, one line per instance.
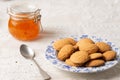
[22, 10]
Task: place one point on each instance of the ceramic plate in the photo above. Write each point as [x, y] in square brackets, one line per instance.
[50, 55]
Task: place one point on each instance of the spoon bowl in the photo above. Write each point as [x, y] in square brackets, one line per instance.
[27, 52]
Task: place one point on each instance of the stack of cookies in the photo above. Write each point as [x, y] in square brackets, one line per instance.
[84, 53]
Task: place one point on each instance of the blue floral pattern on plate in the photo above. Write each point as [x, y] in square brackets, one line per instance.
[50, 55]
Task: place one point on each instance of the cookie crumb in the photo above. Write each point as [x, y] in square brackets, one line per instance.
[16, 62]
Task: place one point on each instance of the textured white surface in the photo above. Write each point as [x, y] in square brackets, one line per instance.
[59, 17]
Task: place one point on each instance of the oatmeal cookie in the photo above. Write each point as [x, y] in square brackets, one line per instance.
[65, 52]
[95, 63]
[109, 55]
[103, 46]
[79, 57]
[84, 41]
[62, 42]
[96, 55]
[69, 62]
[90, 48]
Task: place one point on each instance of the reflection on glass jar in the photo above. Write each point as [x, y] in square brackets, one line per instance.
[24, 22]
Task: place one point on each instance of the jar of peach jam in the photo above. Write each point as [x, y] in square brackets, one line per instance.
[24, 22]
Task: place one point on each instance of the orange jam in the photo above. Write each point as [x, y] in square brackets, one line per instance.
[24, 22]
[24, 29]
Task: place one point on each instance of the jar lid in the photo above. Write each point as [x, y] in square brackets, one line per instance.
[22, 8]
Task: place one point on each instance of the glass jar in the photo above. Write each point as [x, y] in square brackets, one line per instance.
[24, 22]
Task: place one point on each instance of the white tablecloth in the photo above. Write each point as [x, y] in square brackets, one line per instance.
[59, 17]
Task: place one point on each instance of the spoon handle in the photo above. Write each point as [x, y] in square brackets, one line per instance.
[43, 73]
